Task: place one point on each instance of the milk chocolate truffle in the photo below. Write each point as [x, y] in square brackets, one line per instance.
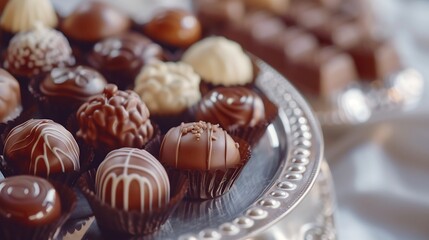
[37, 51]
[132, 179]
[220, 61]
[41, 147]
[20, 15]
[168, 88]
[72, 86]
[93, 21]
[174, 27]
[199, 146]
[29, 200]
[231, 107]
[114, 119]
[120, 58]
[10, 97]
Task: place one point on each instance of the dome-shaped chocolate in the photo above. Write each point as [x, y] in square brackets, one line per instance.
[29, 200]
[199, 146]
[114, 119]
[41, 147]
[231, 107]
[174, 27]
[132, 179]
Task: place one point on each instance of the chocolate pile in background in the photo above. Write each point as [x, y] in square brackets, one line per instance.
[321, 46]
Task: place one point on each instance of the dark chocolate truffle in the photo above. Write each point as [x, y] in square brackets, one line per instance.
[174, 27]
[41, 147]
[72, 85]
[37, 51]
[199, 146]
[29, 200]
[114, 119]
[92, 21]
[120, 58]
[132, 179]
[231, 107]
[10, 97]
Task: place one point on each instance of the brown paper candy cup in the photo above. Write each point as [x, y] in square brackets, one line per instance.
[120, 223]
[16, 231]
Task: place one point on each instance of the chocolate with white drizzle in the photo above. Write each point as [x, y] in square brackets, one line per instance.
[10, 97]
[29, 200]
[132, 179]
[41, 147]
[199, 146]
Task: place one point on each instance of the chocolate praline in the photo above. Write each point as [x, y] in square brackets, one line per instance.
[199, 146]
[174, 28]
[132, 179]
[41, 147]
[114, 119]
[29, 200]
[10, 97]
[120, 58]
[72, 86]
[93, 21]
[231, 107]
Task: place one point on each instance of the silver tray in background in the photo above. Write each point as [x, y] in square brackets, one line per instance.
[282, 170]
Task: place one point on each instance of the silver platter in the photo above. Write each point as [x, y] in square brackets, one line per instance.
[282, 170]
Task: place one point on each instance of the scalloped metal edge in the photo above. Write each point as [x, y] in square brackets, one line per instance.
[303, 162]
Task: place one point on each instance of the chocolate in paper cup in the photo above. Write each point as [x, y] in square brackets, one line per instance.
[253, 134]
[16, 231]
[120, 223]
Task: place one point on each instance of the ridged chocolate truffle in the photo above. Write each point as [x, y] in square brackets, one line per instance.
[199, 146]
[92, 21]
[120, 58]
[10, 97]
[72, 85]
[132, 179]
[220, 61]
[41, 147]
[21, 15]
[114, 119]
[174, 27]
[37, 51]
[231, 107]
[29, 200]
[168, 88]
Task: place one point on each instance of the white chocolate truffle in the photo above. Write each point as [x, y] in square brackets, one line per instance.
[20, 15]
[220, 61]
[168, 87]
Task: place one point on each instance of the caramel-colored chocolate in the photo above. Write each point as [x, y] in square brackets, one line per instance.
[174, 27]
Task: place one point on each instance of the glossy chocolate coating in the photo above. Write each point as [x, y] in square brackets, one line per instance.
[92, 21]
[114, 119]
[120, 58]
[29, 200]
[10, 97]
[231, 107]
[41, 147]
[72, 85]
[199, 146]
[174, 27]
[132, 179]
[37, 51]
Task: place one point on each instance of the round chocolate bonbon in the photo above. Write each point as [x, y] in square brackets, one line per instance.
[29, 200]
[199, 146]
[10, 97]
[132, 179]
[174, 27]
[41, 147]
[231, 107]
